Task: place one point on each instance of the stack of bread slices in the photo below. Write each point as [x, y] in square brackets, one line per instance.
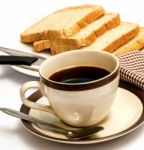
[84, 27]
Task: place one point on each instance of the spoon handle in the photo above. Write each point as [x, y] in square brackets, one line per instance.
[21, 115]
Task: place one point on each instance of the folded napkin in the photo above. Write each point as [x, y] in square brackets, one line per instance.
[132, 68]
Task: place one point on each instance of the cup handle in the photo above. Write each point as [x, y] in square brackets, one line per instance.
[34, 84]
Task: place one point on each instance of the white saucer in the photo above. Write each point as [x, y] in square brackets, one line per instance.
[126, 115]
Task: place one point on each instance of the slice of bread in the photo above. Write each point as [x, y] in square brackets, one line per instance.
[86, 36]
[134, 44]
[63, 23]
[109, 41]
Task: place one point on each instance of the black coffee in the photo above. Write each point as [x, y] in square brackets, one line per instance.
[79, 74]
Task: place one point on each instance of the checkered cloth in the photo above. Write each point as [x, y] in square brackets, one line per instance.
[132, 68]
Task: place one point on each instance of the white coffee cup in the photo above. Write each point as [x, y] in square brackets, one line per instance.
[76, 104]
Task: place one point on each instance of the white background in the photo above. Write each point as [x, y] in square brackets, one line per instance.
[17, 15]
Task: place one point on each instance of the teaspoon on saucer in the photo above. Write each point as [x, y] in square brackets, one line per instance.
[74, 134]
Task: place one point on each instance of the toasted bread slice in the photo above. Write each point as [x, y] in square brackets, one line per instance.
[109, 41]
[134, 44]
[63, 23]
[85, 37]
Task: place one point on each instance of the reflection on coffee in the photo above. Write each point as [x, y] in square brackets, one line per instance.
[80, 74]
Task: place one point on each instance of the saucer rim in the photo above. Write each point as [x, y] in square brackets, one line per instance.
[123, 85]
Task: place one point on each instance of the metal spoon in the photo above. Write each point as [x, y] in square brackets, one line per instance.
[73, 134]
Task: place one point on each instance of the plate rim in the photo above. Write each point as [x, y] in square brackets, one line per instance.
[24, 71]
[131, 88]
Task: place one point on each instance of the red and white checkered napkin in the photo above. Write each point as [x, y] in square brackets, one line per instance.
[132, 68]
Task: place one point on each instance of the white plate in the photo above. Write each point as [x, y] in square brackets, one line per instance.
[126, 115]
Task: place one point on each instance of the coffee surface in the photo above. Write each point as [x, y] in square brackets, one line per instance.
[80, 74]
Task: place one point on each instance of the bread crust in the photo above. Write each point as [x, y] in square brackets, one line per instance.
[110, 47]
[74, 42]
[39, 45]
[134, 44]
[122, 40]
[96, 12]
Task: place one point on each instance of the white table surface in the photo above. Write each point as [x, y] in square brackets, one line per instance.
[15, 16]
